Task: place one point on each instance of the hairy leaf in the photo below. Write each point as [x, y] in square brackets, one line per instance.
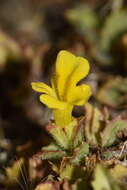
[115, 26]
[103, 180]
[80, 153]
[52, 155]
[114, 92]
[59, 136]
[111, 130]
[93, 124]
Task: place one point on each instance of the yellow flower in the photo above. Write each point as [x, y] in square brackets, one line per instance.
[65, 93]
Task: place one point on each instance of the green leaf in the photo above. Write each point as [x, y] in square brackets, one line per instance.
[109, 134]
[103, 180]
[51, 147]
[72, 172]
[119, 173]
[93, 124]
[114, 92]
[78, 136]
[51, 152]
[67, 171]
[70, 131]
[85, 19]
[51, 155]
[59, 136]
[80, 153]
[109, 154]
[115, 26]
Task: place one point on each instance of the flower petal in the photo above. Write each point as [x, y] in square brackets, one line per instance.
[52, 102]
[79, 94]
[81, 70]
[42, 87]
[54, 86]
[65, 64]
[69, 71]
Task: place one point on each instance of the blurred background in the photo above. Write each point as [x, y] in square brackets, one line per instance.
[32, 32]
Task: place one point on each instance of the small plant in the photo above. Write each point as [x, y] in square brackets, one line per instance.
[81, 147]
[61, 97]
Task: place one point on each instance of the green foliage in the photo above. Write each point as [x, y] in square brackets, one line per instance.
[114, 26]
[103, 180]
[93, 124]
[114, 92]
[99, 129]
[78, 136]
[119, 173]
[52, 152]
[86, 20]
[111, 130]
[80, 153]
[67, 171]
[51, 147]
[84, 16]
[59, 136]
[53, 155]
[72, 172]
[68, 155]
